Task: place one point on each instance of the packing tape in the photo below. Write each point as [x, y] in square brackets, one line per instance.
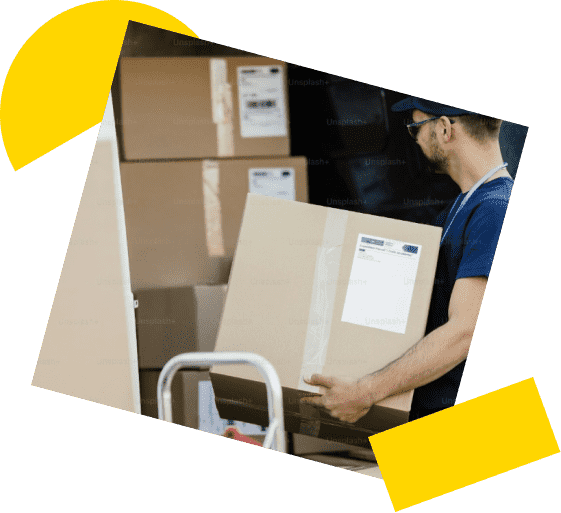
[222, 107]
[212, 209]
[328, 260]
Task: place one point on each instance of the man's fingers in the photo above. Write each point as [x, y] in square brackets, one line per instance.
[319, 380]
[316, 400]
[347, 417]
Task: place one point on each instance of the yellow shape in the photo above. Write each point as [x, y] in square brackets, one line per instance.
[58, 85]
[465, 444]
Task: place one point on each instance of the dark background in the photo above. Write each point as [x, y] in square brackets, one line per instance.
[360, 156]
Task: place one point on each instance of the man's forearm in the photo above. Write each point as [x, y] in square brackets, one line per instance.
[432, 357]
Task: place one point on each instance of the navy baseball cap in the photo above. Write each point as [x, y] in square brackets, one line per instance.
[436, 109]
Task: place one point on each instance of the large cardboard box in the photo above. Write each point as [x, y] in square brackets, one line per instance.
[177, 320]
[183, 218]
[321, 290]
[197, 107]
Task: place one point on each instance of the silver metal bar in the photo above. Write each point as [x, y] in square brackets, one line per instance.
[270, 436]
[275, 433]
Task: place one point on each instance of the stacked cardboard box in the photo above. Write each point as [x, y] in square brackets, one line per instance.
[198, 135]
[183, 218]
[197, 107]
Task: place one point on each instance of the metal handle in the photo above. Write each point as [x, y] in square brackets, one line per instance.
[275, 432]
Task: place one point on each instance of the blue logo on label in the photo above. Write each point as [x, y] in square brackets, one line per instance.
[372, 241]
[410, 249]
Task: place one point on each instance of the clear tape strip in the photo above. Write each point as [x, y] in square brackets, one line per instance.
[328, 260]
[222, 107]
[212, 209]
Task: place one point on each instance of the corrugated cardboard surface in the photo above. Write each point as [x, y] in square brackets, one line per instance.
[85, 350]
[165, 218]
[173, 321]
[271, 288]
[167, 109]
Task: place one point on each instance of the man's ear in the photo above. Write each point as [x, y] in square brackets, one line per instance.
[444, 129]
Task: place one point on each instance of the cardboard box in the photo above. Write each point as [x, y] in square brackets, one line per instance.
[319, 290]
[87, 350]
[183, 218]
[178, 320]
[197, 107]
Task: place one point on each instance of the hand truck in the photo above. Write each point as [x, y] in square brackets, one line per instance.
[274, 438]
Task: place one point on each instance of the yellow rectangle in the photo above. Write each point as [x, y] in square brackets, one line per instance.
[465, 444]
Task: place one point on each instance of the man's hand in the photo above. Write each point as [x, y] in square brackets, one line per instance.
[346, 400]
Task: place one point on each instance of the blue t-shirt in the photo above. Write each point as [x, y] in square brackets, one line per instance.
[466, 251]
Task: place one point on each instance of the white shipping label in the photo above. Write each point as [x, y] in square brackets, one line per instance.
[262, 103]
[278, 182]
[381, 285]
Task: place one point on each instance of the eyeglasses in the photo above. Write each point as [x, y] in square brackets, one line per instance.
[413, 128]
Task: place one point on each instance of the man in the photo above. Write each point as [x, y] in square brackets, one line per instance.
[465, 146]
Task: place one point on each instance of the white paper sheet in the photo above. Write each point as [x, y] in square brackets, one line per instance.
[278, 182]
[381, 285]
[261, 100]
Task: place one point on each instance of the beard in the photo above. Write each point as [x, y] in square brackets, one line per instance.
[439, 163]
